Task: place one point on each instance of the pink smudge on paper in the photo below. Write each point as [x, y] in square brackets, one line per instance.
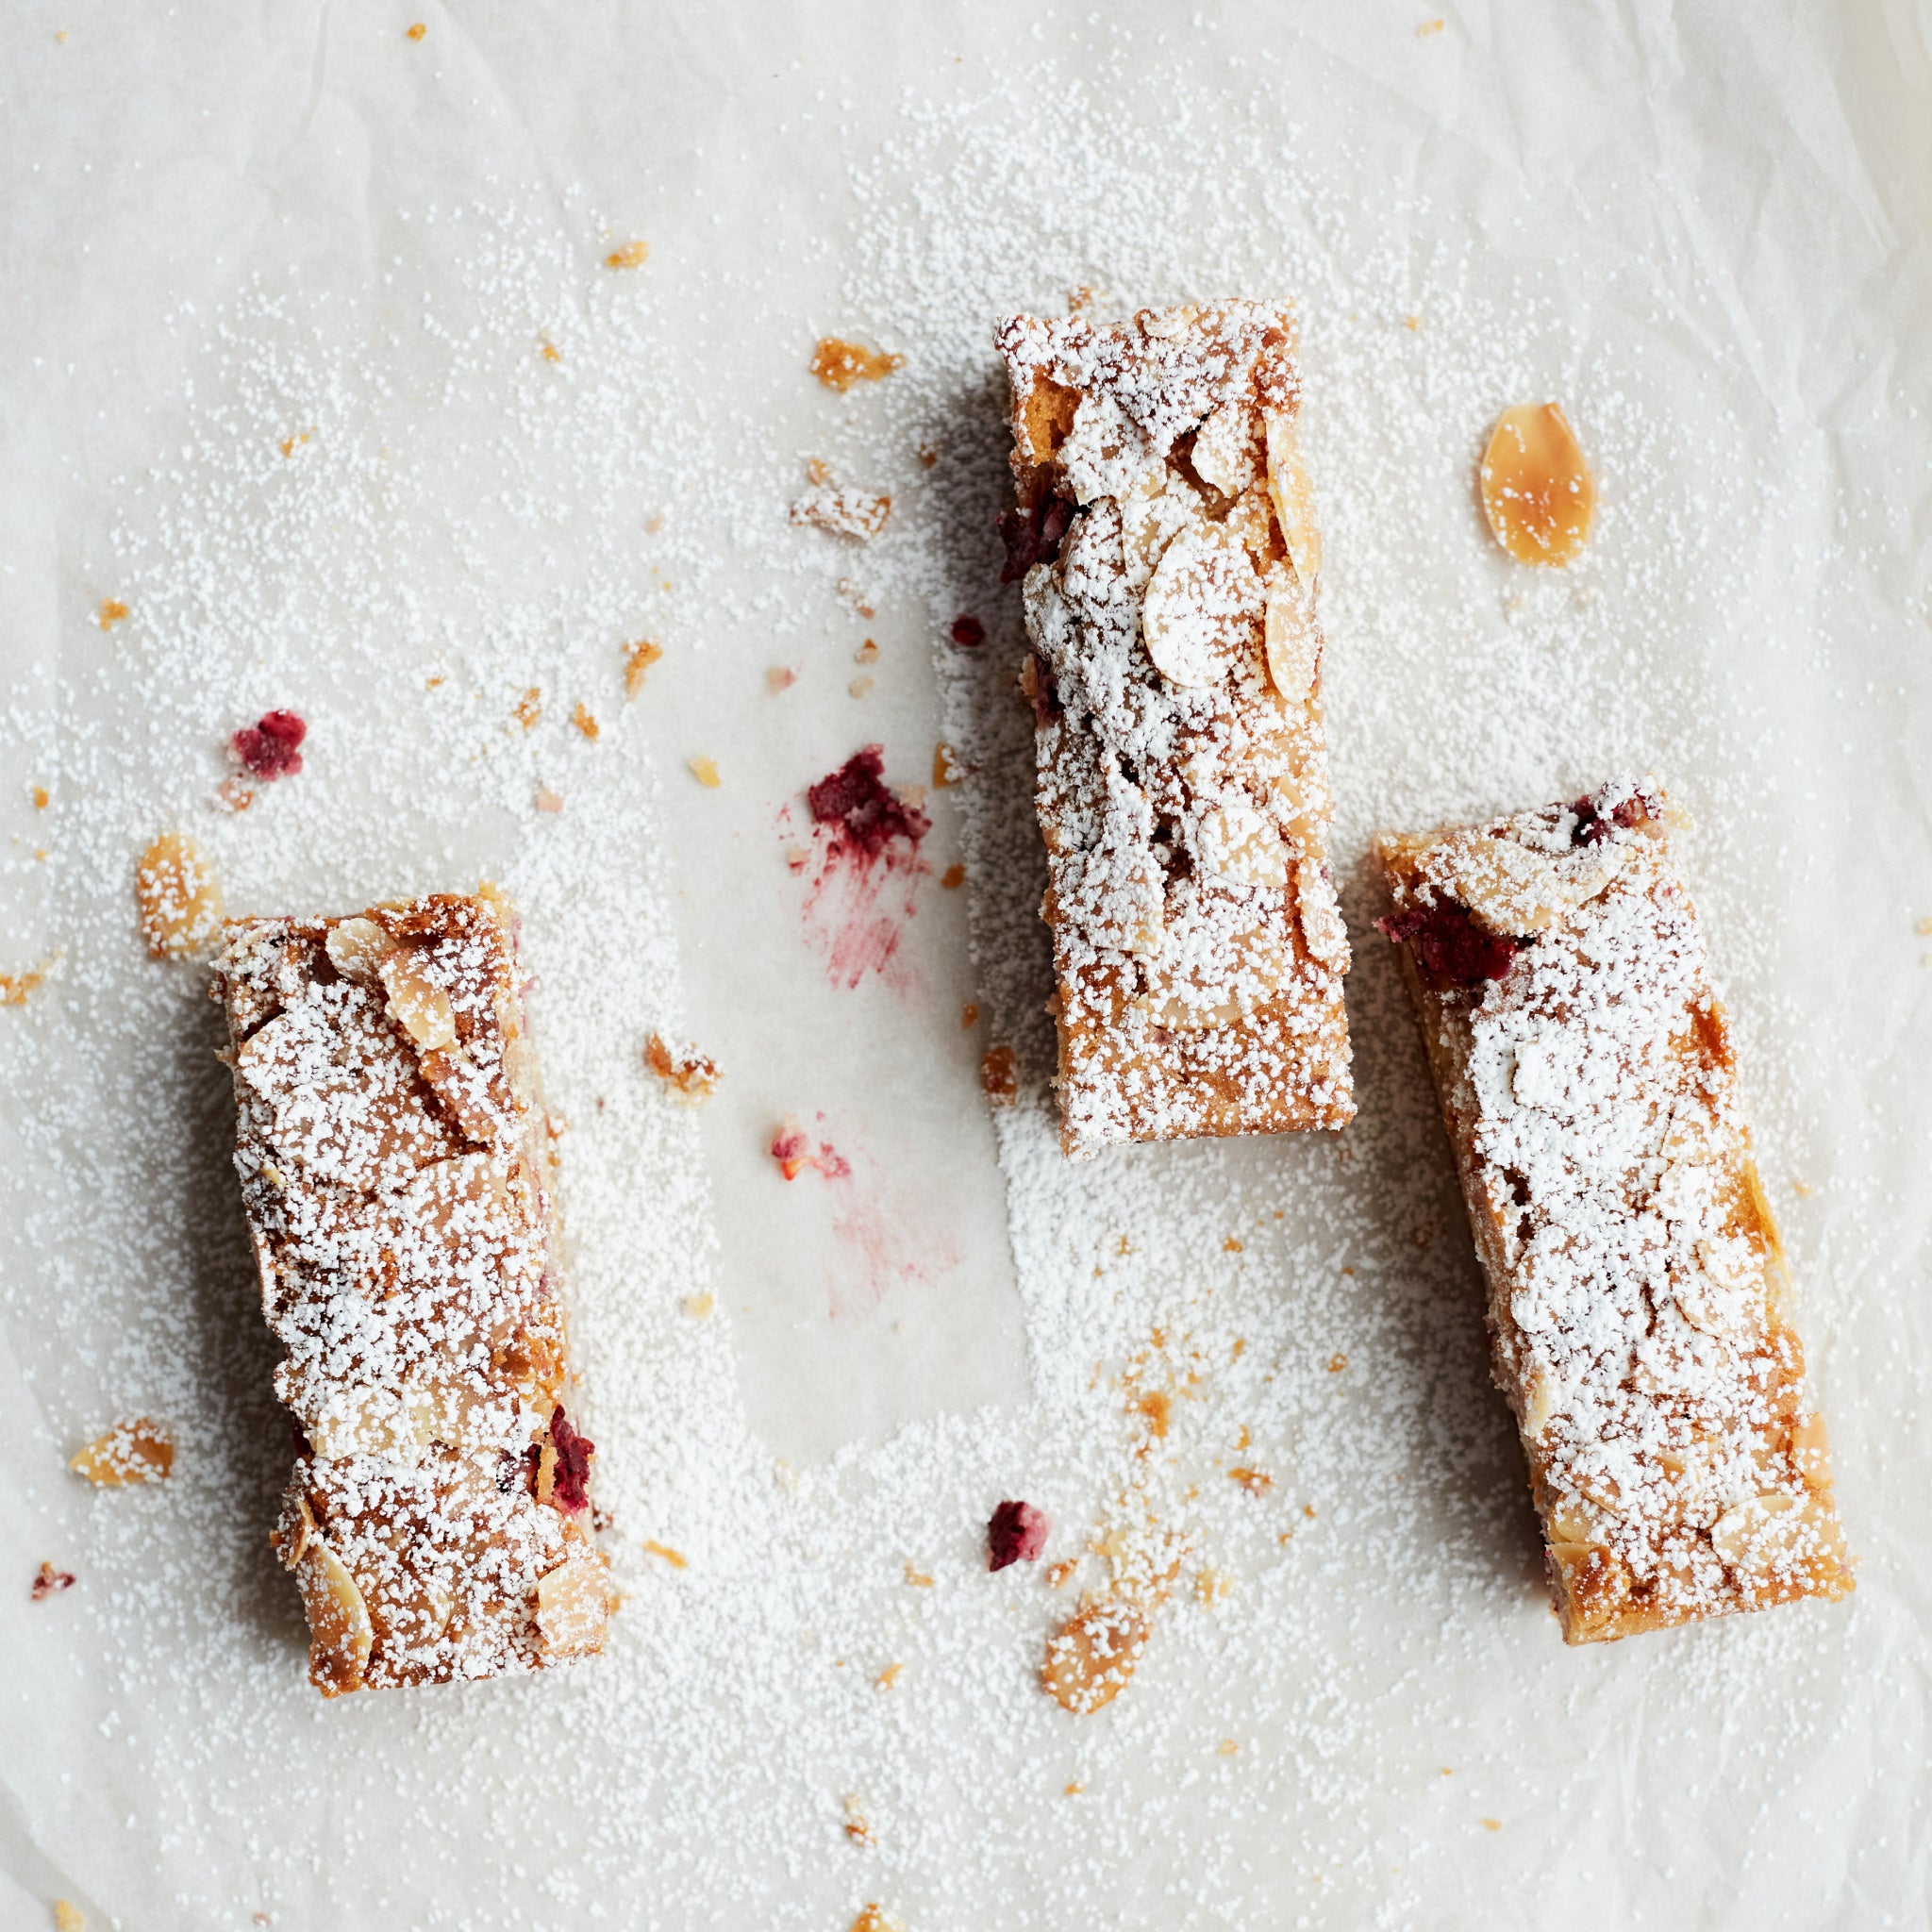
[889, 1234]
[862, 864]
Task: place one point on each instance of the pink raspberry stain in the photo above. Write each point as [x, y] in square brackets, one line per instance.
[863, 864]
[271, 746]
[1017, 1534]
[889, 1236]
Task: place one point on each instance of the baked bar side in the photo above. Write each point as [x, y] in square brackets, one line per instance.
[1639, 1297]
[1169, 555]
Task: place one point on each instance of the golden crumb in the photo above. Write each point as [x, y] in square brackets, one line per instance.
[848, 589]
[918, 1578]
[928, 455]
[68, 1917]
[1231, 1246]
[417, 32]
[691, 1076]
[840, 364]
[1337, 1362]
[1245, 1439]
[1156, 1407]
[140, 1451]
[999, 1076]
[178, 898]
[551, 352]
[1056, 1574]
[969, 1014]
[1803, 1190]
[1226, 1748]
[705, 772]
[16, 988]
[857, 1827]
[632, 254]
[434, 683]
[947, 768]
[1924, 925]
[1074, 1790]
[1490, 1823]
[638, 659]
[582, 719]
[40, 798]
[1412, 323]
[290, 445]
[1257, 1482]
[1308, 1511]
[111, 611]
[876, 1919]
[953, 878]
[868, 653]
[528, 707]
[780, 677]
[860, 687]
[888, 1677]
[1428, 27]
[548, 800]
[699, 1306]
[665, 1551]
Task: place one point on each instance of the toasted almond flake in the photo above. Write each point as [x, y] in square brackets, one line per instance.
[874, 1918]
[838, 364]
[582, 719]
[357, 948]
[1239, 844]
[1057, 1573]
[1199, 606]
[140, 1451]
[667, 1553]
[339, 1632]
[1538, 491]
[1291, 640]
[1294, 497]
[418, 1003]
[1090, 1656]
[632, 254]
[573, 1606]
[705, 772]
[111, 614]
[179, 901]
[528, 707]
[638, 659]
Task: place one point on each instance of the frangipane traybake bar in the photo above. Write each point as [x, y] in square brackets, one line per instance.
[396, 1170]
[1639, 1304]
[1167, 544]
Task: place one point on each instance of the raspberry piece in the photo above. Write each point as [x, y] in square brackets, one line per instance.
[1450, 945]
[270, 747]
[570, 1484]
[51, 1582]
[1033, 536]
[1017, 1534]
[867, 812]
[968, 632]
[1592, 827]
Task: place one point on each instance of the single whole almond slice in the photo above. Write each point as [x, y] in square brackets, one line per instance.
[179, 899]
[1538, 493]
[1292, 643]
[573, 1606]
[1202, 595]
[1777, 1532]
[356, 947]
[1294, 498]
[140, 1451]
[417, 1003]
[1090, 1656]
[339, 1632]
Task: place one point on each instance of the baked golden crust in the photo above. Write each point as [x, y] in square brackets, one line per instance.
[397, 1172]
[1171, 567]
[1640, 1302]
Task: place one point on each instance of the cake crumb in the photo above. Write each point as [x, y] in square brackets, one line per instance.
[49, 1581]
[780, 677]
[918, 1578]
[638, 659]
[876, 1919]
[1074, 1789]
[857, 1827]
[1232, 1246]
[632, 254]
[585, 722]
[1257, 1482]
[860, 514]
[111, 614]
[691, 1076]
[419, 31]
[550, 352]
[548, 800]
[68, 1916]
[947, 767]
[1337, 1363]
[969, 1014]
[670, 1556]
[888, 1677]
[705, 772]
[868, 653]
[860, 687]
[952, 880]
[1226, 1748]
[838, 364]
[40, 798]
[1056, 1574]
[1490, 1823]
[17, 988]
[1428, 27]
[528, 707]
[699, 1306]
[998, 1076]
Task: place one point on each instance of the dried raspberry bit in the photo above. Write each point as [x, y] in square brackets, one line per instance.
[571, 1480]
[1592, 827]
[1033, 536]
[968, 632]
[51, 1582]
[867, 811]
[1017, 1534]
[1449, 944]
[791, 1148]
[271, 748]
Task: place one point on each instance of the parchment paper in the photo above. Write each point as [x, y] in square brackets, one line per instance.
[280, 287]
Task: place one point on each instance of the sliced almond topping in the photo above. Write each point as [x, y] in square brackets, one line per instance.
[140, 1451]
[356, 947]
[1294, 498]
[1200, 607]
[416, 1002]
[573, 1606]
[1777, 1532]
[1090, 1656]
[1538, 491]
[1239, 844]
[1225, 448]
[179, 900]
[1715, 1295]
[1322, 932]
[340, 1632]
[1513, 890]
[1293, 644]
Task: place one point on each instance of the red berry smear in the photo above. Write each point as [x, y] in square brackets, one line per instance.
[1017, 1534]
[270, 747]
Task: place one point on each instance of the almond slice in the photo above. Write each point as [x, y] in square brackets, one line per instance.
[1538, 491]
[1294, 498]
[1292, 643]
[1202, 597]
[417, 1003]
[1090, 1656]
[1777, 1532]
[357, 948]
[179, 900]
[1239, 844]
[1225, 453]
[573, 1606]
[339, 1632]
[140, 1451]
[1513, 890]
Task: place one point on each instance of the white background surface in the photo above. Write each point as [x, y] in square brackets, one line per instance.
[1701, 230]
